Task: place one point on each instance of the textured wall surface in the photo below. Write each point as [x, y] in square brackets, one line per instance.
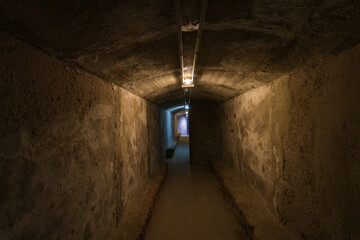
[203, 132]
[168, 118]
[296, 140]
[73, 149]
[134, 43]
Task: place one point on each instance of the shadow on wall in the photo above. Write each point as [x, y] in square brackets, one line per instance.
[171, 126]
[204, 129]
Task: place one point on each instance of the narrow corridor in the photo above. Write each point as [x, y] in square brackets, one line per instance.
[191, 205]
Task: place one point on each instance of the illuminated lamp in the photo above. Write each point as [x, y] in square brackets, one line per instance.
[187, 82]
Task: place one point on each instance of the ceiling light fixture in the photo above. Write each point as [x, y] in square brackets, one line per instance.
[188, 72]
[187, 82]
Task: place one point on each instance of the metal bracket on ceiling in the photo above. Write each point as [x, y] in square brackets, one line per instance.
[188, 78]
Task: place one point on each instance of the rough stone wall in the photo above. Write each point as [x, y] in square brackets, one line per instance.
[156, 146]
[296, 140]
[73, 149]
[203, 132]
[163, 132]
[252, 128]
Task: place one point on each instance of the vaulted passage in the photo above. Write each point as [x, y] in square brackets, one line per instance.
[184, 119]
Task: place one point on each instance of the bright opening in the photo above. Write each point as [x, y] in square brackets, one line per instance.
[183, 125]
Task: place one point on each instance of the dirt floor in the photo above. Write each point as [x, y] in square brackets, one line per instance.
[191, 205]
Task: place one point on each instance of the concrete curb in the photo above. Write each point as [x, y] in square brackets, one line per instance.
[249, 208]
[155, 197]
[135, 220]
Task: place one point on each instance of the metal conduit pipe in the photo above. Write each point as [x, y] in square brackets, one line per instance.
[199, 34]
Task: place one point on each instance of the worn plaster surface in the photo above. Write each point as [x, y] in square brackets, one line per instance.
[296, 141]
[74, 150]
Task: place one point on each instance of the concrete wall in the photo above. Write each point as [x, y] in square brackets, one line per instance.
[169, 128]
[73, 149]
[203, 132]
[182, 124]
[296, 140]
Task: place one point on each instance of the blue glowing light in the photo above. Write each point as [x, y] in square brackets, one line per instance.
[172, 109]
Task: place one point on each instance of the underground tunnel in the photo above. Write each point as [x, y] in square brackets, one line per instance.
[191, 119]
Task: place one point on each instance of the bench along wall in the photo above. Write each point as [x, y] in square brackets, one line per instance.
[296, 140]
[73, 148]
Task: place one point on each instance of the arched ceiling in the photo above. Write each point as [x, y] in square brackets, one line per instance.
[134, 43]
